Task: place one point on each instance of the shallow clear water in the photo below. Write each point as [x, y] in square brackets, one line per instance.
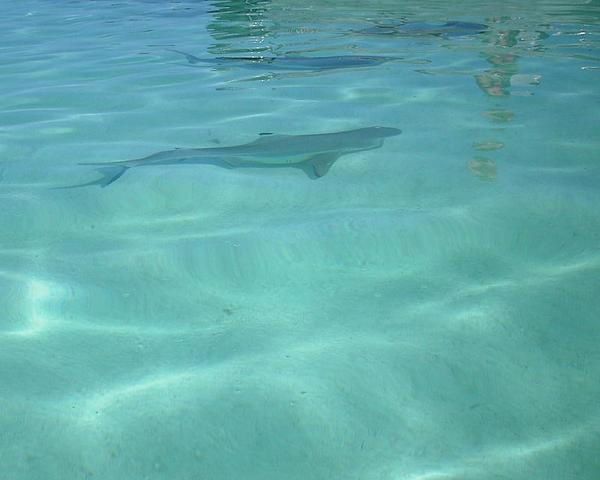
[428, 309]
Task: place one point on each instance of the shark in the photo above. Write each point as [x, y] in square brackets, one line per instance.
[313, 153]
[422, 29]
[292, 63]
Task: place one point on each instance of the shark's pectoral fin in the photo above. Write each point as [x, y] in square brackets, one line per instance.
[319, 165]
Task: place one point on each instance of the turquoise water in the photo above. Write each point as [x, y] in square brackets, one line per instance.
[426, 310]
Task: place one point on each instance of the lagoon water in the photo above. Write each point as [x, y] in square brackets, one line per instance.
[427, 310]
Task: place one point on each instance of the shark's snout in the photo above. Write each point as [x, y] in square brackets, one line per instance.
[387, 131]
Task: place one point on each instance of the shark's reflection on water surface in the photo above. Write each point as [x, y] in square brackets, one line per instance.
[454, 28]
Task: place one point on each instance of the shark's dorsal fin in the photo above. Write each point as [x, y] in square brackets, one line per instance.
[266, 139]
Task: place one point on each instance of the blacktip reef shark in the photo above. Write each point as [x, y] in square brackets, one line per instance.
[423, 29]
[292, 63]
[314, 154]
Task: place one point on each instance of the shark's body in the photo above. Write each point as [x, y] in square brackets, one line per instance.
[314, 154]
[292, 63]
[420, 29]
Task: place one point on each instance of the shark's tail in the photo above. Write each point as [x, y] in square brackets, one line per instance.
[109, 173]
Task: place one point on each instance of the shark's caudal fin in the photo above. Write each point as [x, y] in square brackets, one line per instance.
[109, 173]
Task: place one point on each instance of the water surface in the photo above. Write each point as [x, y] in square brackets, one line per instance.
[427, 310]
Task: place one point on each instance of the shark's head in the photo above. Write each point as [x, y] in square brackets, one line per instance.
[382, 132]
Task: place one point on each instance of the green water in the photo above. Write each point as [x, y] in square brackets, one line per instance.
[427, 310]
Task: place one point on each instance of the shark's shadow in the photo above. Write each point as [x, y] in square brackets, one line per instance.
[314, 154]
